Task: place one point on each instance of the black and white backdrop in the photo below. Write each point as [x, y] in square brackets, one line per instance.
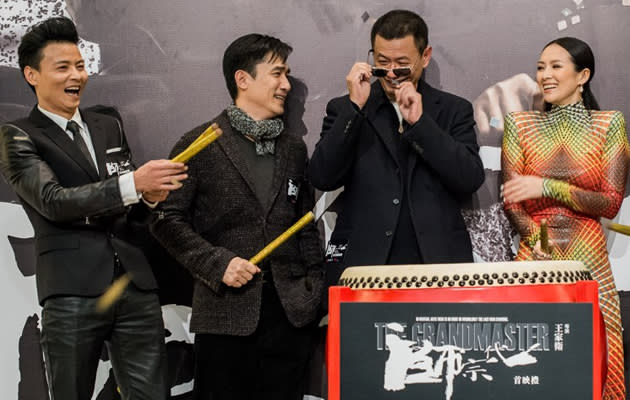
[159, 63]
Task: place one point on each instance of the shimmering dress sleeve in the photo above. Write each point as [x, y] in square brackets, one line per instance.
[512, 165]
[606, 201]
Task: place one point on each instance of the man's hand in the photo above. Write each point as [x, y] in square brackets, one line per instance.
[409, 101]
[239, 271]
[159, 176]
[358, 82]
[522, 187]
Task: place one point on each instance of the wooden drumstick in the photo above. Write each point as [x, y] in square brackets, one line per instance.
[208, 136]
[308, 217]
[544, 236]
[620, 228]
[113, 293]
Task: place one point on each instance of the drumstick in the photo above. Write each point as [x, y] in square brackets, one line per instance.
[208, 136]
[624, 229]
[544, 236]
[113, 293]
[308, 217]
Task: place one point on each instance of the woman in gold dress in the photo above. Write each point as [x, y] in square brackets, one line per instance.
[568, 165]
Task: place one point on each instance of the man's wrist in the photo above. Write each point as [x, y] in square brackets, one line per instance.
[149, 203]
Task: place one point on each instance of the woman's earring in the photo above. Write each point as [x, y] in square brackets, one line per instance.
[581, 88]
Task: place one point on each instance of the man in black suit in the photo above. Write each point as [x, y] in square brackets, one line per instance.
[73, 173]
[253, 324]
[405, 152]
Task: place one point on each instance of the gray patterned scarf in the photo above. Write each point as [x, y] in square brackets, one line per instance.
[263, 133]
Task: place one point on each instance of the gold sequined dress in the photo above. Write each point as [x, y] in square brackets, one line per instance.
[582, 156]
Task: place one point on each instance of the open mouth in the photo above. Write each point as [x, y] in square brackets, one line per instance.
[549, 87]
[73, 90]
[280, 97]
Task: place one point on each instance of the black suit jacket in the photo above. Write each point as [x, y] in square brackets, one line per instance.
[357, 150]
[217, 216]
[77, 213]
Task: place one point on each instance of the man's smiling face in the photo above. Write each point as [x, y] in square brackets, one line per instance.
[60, 78]
[262, 96]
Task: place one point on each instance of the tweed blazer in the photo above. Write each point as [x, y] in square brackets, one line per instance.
[217, 216]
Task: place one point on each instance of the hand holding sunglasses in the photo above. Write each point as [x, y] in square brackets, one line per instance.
[358, 83]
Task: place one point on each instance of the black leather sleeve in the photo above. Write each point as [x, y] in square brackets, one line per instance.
[35, 182]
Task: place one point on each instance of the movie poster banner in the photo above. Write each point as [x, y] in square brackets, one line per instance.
[464, 350]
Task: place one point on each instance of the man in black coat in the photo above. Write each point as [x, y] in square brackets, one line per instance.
[73, 173]
[405, 153]
[253, 324]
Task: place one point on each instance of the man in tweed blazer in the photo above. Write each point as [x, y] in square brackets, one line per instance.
[253, 323]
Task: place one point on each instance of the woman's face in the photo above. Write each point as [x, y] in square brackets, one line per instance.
[557, 78]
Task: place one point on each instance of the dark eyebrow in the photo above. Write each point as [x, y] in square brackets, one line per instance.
[67, 62]
[395, 59]
[281, 68]
[552, 61]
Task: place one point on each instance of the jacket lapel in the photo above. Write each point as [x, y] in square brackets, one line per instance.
[431, 105]
[279, 168]
[377, 104]
[63, 141]
[99, 140]
[230, 147]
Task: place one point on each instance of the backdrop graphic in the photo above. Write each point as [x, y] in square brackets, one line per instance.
[159, 63]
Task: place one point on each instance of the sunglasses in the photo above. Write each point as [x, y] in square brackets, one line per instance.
[380, 72]
[400, 72]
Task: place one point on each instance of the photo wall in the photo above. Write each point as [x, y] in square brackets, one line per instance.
[159, 64]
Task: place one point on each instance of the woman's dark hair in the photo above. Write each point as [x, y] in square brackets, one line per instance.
[248, 51]
[38, 36]
[582, 57]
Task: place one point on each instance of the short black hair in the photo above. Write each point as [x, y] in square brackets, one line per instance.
[397, 24]
[38, 36]
[248, 51]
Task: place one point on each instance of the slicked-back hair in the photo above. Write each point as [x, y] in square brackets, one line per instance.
[248, 51]
[582, 57]
[38, 36]
[397, 24]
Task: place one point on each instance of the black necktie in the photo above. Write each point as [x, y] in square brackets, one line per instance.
[78, 140]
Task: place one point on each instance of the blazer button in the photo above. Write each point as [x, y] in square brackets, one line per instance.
[396, 201]
[111, 235]
[388, 233]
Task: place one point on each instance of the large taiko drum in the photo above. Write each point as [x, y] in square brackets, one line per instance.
[464, 275]
[517, 330]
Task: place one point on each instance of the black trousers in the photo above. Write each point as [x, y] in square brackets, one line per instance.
[73, 334]
[269, 364]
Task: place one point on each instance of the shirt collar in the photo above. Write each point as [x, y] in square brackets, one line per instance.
[60, 121]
